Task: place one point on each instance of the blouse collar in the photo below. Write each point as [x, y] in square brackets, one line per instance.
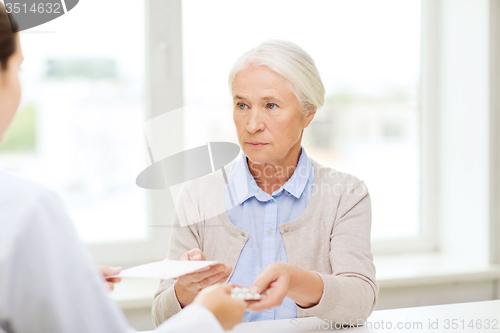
[245, 186]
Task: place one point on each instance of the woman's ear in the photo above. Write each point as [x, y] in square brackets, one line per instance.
[310, 113]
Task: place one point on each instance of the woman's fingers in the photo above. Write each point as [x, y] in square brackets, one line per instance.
[196, 254]
[227, 271]
[202, 275]
[273, 284]
[264, 280]
[273, 296]
[266, 302]
[222, 279]
[193, 254]
[198, 280]
[217, 278]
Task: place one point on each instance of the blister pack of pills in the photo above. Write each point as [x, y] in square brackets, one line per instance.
[244, 294]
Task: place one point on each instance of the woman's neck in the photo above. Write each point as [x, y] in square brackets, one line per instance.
[272, 175]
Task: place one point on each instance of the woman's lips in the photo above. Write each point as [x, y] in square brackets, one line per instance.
[257, 144]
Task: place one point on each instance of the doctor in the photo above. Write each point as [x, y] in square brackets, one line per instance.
[47, 279]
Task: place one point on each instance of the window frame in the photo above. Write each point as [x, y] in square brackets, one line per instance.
[163, 92]
[164, 82]
[494, 62]
[169, 97]
[429, 151]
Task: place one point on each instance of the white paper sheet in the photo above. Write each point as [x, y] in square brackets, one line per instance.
[165, 269]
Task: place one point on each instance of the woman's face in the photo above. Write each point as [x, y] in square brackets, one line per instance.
[267, 115]
[10, 89]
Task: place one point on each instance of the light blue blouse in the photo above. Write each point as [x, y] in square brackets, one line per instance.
[258, 213]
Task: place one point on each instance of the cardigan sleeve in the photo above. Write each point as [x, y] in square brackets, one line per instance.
[350, 292]
[184, 237]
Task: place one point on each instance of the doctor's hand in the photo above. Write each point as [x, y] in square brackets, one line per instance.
[109, 271]
[189, 285]
[229, 311]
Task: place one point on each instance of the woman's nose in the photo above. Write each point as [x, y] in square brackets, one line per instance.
[255, 122]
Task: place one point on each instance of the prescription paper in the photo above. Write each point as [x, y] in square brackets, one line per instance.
[165, 269]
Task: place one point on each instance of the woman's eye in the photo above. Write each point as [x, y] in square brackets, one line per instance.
[272, 106]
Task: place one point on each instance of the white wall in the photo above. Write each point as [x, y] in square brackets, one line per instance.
[464, 121]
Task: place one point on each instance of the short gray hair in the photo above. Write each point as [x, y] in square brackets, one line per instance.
[290, 62]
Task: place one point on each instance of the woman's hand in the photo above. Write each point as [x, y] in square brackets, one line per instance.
[281, 279]
[189, 285]
[229, 311]
[109, 271]
[273, 283]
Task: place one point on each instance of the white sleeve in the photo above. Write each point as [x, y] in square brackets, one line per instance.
[194, 318]
[52, 284]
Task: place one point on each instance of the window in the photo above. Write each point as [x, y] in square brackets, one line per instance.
[369, 124]
[94, 85]
[88, 89]
[78, 130]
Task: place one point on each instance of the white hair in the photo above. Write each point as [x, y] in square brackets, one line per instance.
[290, 62]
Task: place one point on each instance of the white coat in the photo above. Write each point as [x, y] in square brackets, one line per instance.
[48, 282]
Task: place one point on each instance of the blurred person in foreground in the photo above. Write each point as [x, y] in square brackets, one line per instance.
[47, 280]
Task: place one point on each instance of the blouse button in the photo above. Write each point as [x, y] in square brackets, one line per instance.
[272, 200]
[269, 232]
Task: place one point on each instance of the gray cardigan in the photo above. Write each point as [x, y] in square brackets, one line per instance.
[331, 238]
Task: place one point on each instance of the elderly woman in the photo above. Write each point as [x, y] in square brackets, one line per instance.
[295, 231]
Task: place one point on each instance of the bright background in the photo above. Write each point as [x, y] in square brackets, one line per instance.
[78, 130]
